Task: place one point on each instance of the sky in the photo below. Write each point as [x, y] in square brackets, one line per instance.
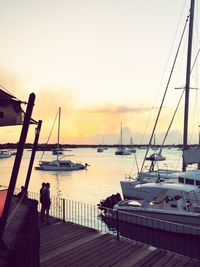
[104, 62]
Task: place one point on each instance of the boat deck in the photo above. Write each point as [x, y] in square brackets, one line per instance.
[69, 244]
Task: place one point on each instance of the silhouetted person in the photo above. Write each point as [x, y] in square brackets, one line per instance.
[42, 211]
[22, 192]
[46, 202]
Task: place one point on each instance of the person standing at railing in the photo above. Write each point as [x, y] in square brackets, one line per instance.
[22, 192]
[46, 202]
[42, 211]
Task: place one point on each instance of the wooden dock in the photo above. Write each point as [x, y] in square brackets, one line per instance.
[68, 244]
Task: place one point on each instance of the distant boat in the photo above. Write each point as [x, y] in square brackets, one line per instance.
[60, 164]
[132, 149]
[156, 157]
[121, 150]
[57, 151]
[154, 146]
[4, 154]
[100, 149]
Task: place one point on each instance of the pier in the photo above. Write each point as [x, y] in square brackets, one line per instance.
[70, 244]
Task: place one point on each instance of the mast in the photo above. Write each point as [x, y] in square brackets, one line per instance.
[121, 135]
[58, 140]
[187, 85]
[199, 146]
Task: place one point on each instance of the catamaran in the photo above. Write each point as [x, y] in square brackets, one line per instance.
[59, 164]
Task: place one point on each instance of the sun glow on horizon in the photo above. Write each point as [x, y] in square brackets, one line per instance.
[102, 62]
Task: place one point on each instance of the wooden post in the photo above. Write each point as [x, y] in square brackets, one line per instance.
[63, 210]
[16, 165]
[37, 134]
[117, 223]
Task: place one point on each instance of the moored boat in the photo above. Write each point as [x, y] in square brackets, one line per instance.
[59, 164]
[174, 204]
[190, 156]
[5, 154]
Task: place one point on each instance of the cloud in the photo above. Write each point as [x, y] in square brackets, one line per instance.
[117, 109]
[10, 82]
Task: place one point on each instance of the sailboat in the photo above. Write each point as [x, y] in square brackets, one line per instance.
[132, 149]
[121, 150]
[190, 156]
[154, 146]
[58, 150]
[100, 148]
[60, 164]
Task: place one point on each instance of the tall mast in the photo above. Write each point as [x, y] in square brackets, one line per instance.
[187, 84]
[58, 140]
[121, 134]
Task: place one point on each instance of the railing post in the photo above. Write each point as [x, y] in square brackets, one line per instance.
[63, 210]
[117, 223]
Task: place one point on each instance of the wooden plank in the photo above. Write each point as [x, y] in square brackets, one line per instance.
[164, 261]
[62, 227]
[147, 258]
[117, 256]
[134, 259]
[58, 253]
[63, 231]
[87, 249]
[155, 258]
[68, 244]
[183, 261]
[63, 240]
[68, 257]
[101, 254]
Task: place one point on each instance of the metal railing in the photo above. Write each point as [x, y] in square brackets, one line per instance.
[90, 215]
[74, 211]
[148, 230]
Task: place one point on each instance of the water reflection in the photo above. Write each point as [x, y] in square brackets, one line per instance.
[58, 205]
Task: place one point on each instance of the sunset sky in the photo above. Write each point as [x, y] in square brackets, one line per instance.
[104, 62]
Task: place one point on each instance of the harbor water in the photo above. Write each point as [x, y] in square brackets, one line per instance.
[102, 177]
[82, 191]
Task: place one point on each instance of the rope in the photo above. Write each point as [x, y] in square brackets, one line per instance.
[6, 90]
[141, 142]
[162, 102]
[49, 136]
[15, 209]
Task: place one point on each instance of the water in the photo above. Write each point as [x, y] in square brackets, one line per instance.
[102, 178]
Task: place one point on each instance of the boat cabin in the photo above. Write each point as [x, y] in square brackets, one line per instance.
[190, 178]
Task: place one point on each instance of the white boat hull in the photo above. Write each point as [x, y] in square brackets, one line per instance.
[176, 217]
[60, 166]
[54, 168]
[4, 156]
